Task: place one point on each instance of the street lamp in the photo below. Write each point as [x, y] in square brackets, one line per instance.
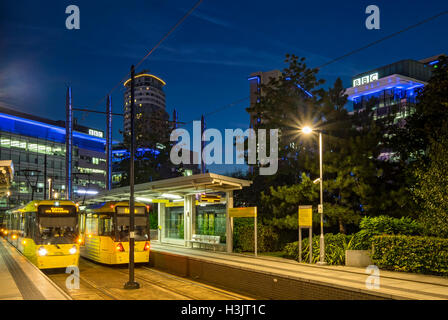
[8, 194]
[308, 130]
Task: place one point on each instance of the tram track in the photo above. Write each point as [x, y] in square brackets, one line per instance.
[99, 281]
[151, 283]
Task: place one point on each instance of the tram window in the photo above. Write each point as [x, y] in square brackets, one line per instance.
[140, 229]
[105, 226]
[92, 226]
[57, 230]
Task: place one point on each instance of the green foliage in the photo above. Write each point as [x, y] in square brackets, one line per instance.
[428, 255]
[180, 229]
[153, 220]
[431, 191]
[372, 226]
[283, 201]
[335, 246]
[423, 144]
[243, 236]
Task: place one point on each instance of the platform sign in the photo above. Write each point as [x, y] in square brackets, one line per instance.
[249, 212]
[210, 198]
[160, 201]
[174, 204]
[305, 216]
[306, 221]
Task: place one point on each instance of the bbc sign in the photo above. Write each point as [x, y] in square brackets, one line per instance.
[366, 79]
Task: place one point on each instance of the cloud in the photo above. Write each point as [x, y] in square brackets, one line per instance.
[211, 19]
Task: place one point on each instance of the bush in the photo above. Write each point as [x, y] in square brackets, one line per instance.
[335, 246]
[372, 226]
[243, 237]
[428, 255]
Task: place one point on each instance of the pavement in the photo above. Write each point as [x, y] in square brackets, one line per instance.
[392, 285]
[22, 280]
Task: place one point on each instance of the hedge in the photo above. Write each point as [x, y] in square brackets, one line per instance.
[243, 236]
[427, 255]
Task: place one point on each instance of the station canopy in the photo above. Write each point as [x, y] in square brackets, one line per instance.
[6, 176]
[172, 188]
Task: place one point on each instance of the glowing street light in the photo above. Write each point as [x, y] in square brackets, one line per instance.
[308, 130]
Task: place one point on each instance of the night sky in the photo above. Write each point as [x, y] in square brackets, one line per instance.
[208, 59]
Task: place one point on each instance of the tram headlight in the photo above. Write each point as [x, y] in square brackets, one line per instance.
[72, 250]
[42, 251]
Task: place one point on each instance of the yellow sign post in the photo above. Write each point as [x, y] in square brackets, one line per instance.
[249, 212]
[306, 221]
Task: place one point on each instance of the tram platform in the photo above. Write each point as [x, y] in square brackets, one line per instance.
[21, 280]
[278, 278]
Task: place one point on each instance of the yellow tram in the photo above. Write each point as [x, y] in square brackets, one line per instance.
[105, 232]
[45, 232]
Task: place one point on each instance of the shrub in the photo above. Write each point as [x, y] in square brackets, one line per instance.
[243, 237]
[335, 246]
[428, 255]
[372, 226]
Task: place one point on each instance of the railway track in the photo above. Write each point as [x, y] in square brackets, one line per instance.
[101, 282]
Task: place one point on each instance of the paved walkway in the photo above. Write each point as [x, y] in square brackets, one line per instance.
[394, 285]
[21, 280]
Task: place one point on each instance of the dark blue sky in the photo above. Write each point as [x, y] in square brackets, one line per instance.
[207, 60]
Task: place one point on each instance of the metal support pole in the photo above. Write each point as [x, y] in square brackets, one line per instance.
[255, 233]
[300, 244]
[322, 239]
[131, 284]
[68, 143]
[109, 143]
[202, 144]
[45, 177]
[311, 243]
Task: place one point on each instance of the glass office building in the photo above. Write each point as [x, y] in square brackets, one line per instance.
[391, 89]
[37, 148]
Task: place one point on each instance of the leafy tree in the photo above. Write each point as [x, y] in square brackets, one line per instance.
[356, 182]
[422, 145]
[429, 126]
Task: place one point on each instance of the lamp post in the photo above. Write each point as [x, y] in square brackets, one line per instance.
[308, 130]
[132, 284]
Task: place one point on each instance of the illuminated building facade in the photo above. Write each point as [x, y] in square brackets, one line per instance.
[149, 100]
[36, 147]
[393, 88]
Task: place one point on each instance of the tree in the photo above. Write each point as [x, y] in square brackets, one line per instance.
[423, 144]
[350, 147]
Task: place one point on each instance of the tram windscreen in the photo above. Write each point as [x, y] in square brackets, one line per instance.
[57, 224]
[140, 229]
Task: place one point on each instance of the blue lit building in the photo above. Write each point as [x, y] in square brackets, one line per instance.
[391, 89]
[37, 148]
